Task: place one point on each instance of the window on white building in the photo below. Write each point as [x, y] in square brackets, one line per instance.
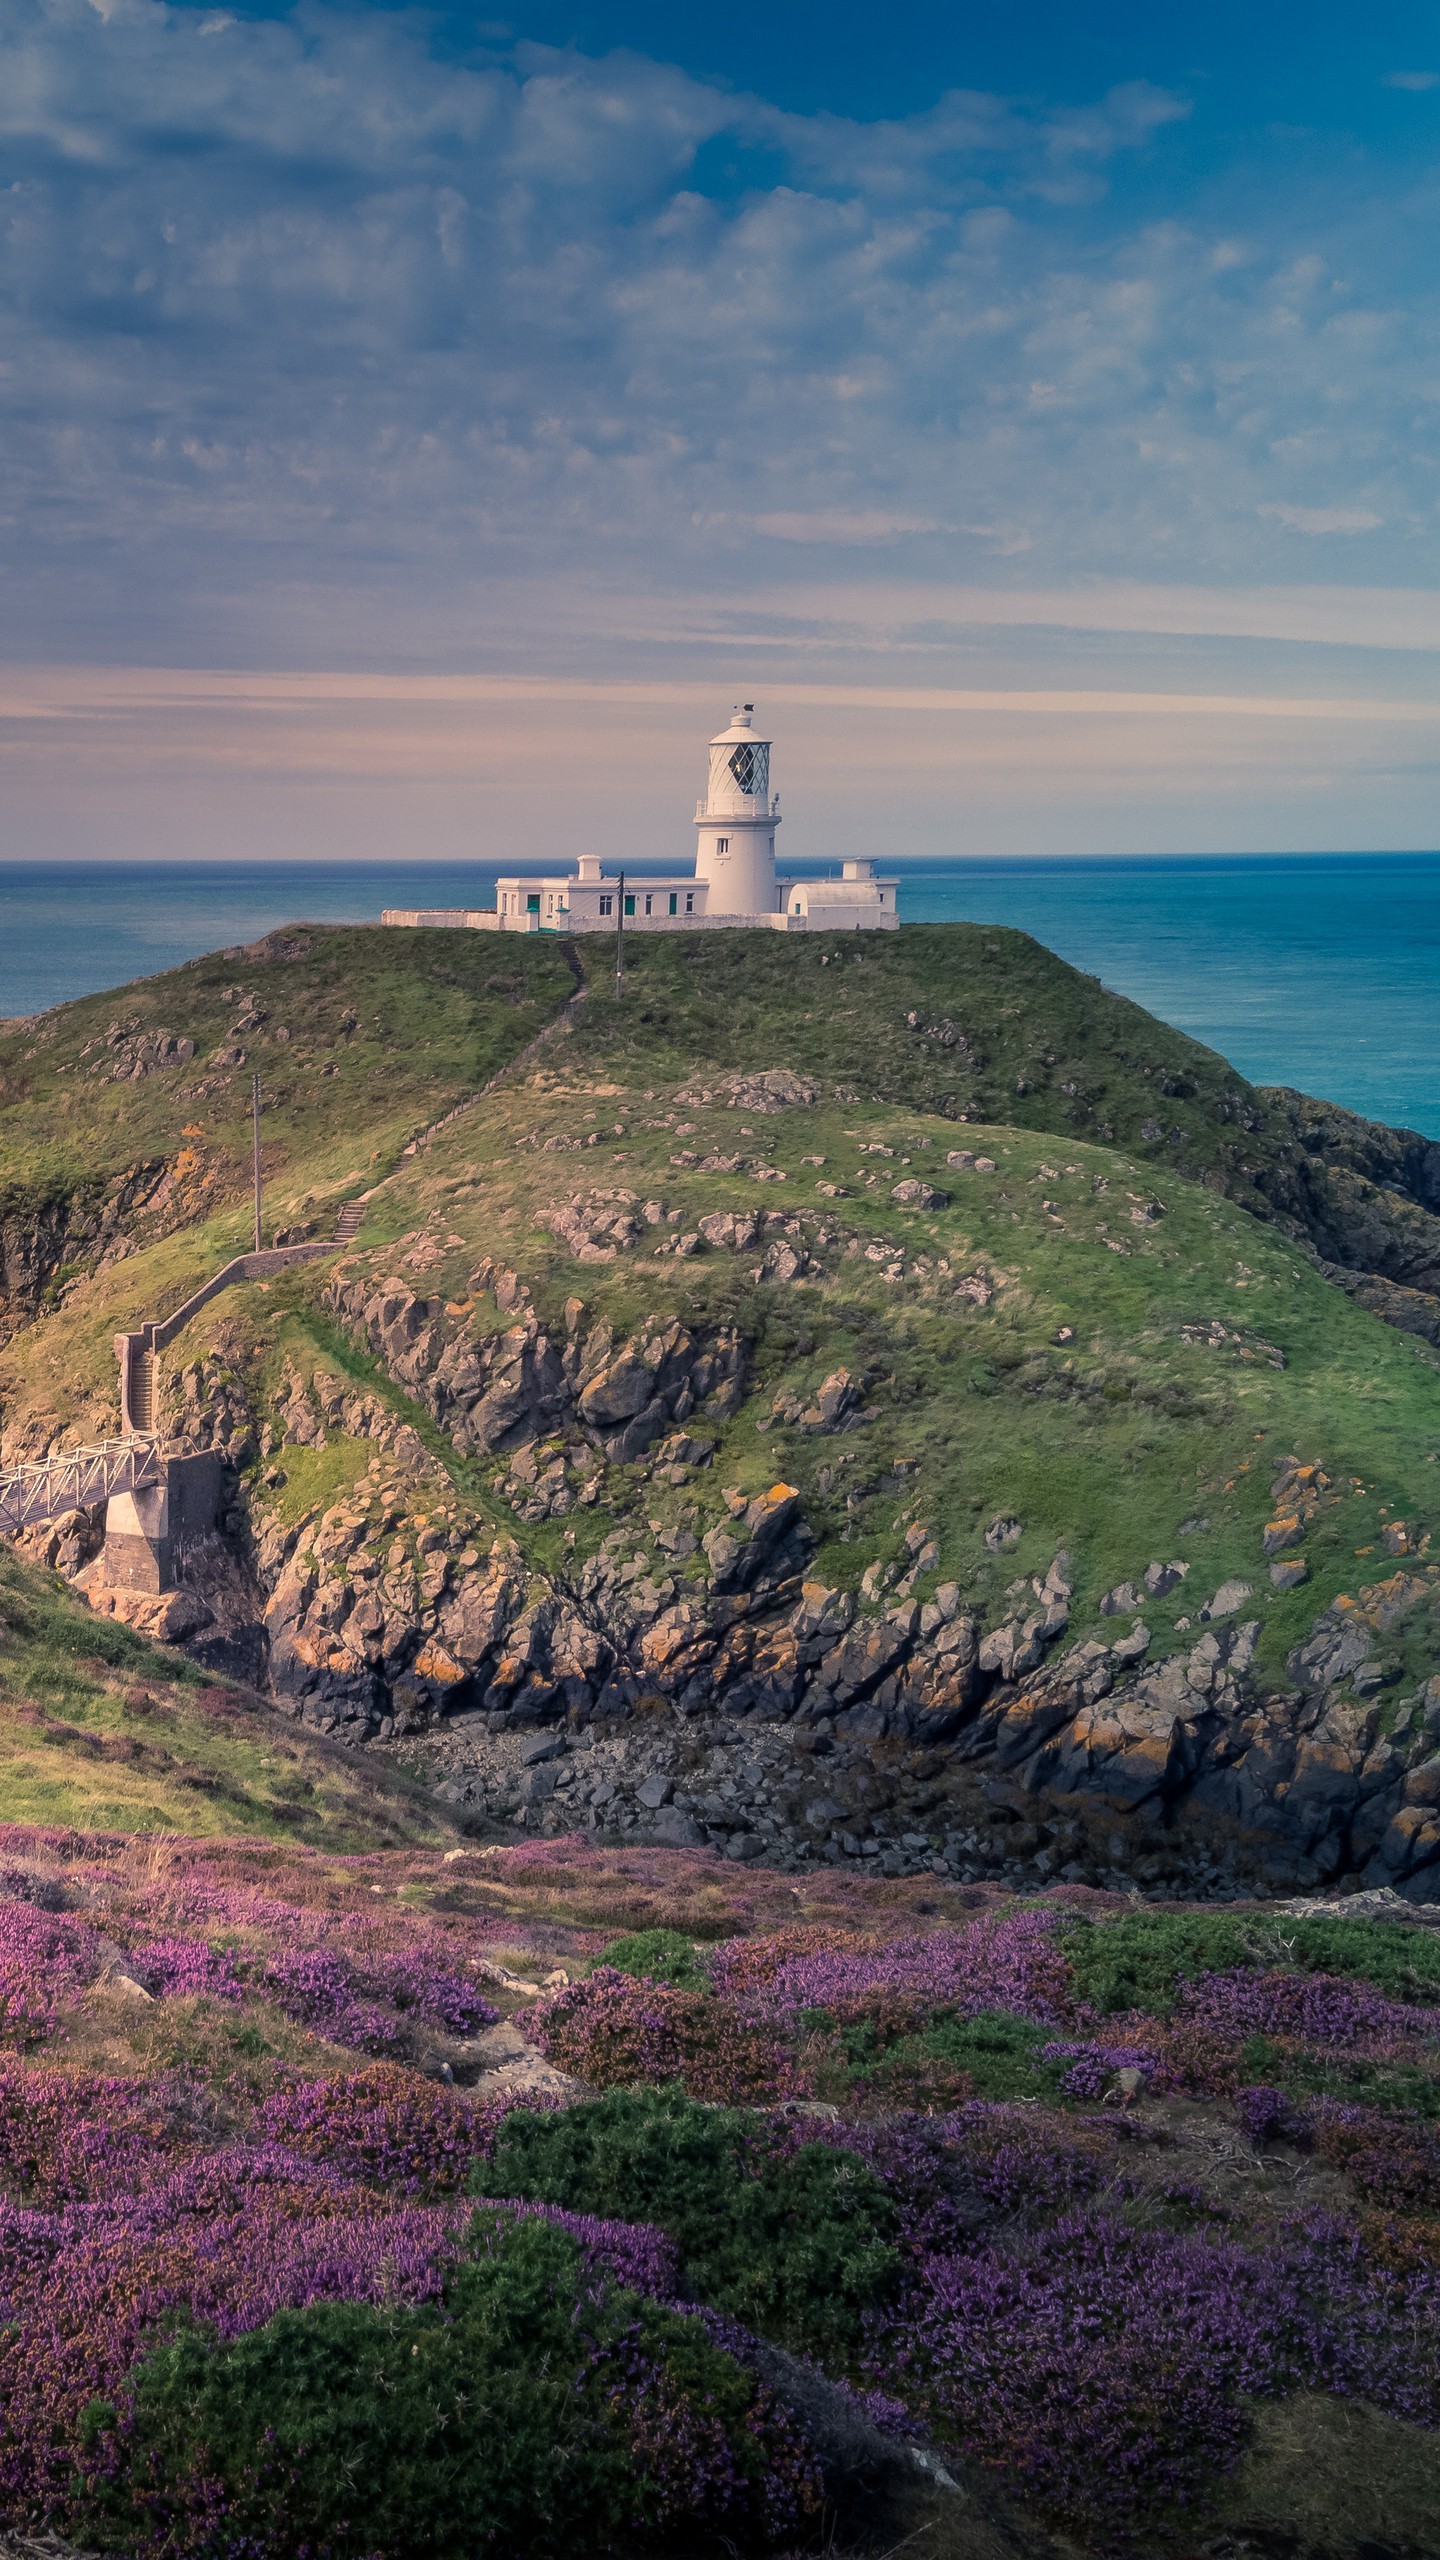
[674, 902]
[722, 844]
[649, 906]
[689, 902]
[607, 906]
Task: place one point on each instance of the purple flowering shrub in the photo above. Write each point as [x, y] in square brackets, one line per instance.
[1091, 2067]
[46, 1960]
[1059, 2294]
[319, 1991]
[1096, 2366]
[413, 1983]
[1402, 2244]
[1026, 2170]
[73, 2137]
[1001, 1961]
[1314, 2007]
[1267, 2115]
[1388, 2161]
[88, 2288]
[172, 1967]
[228, 2242]
[611, 2029]
[360, 2004]
[1101, 2367]
[386, 2126]
[681, 2436]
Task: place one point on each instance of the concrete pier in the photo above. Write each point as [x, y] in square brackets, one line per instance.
[149, 1534]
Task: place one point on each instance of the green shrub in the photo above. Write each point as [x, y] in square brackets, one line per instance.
[1139, 1960]
[796, 2241]
[1400, 2087]
[997, 2052]
[1401, 1960]
[530, 2412]
[658, 1955]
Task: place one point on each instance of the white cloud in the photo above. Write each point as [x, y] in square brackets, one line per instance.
[1416, 80]
[835, 526]
[313, 338]
[1325, 519]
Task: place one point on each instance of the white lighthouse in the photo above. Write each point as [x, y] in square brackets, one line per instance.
[736, 821]
[733, 883]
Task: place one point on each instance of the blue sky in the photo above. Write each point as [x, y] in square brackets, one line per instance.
[415, 427]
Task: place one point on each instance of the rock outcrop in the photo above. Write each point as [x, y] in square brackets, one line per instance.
[505, 1390]
[75, 1228]
[998, 1745]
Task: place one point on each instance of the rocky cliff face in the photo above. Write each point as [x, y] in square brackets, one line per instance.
[75, 1228]
[714, 1689]
[519, 1386]
[1365, 1198]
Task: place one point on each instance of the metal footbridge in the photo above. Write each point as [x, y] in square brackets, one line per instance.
[76, 1480]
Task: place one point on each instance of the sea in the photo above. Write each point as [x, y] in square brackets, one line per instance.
[1315, 970]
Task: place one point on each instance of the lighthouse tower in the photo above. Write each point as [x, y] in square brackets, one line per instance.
[737, 820]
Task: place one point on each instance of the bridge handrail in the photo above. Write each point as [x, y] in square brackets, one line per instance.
[37, 1489]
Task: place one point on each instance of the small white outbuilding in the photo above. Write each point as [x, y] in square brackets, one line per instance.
[734, 881]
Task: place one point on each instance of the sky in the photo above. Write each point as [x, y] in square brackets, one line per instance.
[418, 427]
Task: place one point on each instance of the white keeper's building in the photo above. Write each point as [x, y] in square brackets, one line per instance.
[734, 881]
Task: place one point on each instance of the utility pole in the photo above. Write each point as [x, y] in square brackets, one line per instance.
[620, 944]
[255, 1121]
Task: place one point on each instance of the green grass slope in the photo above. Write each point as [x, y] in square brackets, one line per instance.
[361, 1035]
[352, 1030]
[100, 1731]
[1098, 1337]
[1143, 1358]
[981, 1022]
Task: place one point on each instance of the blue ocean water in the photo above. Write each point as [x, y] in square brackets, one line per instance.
[1312, 970]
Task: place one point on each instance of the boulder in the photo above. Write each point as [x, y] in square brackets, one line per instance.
[1333, 1652]
[1131, 1648]
[1013, 1649]
[731, 1230]
[1162, 1579]
[914, 1194]
[1286, 1531]
[1122, 1602]
[674, 1829]
[772, 1089]
[1230, 1597]
[619, 1392]
[545, 1746]
[832, 1406]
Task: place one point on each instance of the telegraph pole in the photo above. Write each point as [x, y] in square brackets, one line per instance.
[255, 1123]
[620, 944]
